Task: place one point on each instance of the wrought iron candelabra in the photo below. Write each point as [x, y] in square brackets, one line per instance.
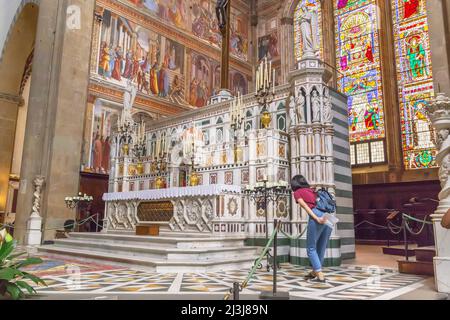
[79, 202]
[262, 195]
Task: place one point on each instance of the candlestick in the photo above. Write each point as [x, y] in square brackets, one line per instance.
[273, 85]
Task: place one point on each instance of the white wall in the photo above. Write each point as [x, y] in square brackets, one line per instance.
[8, 9]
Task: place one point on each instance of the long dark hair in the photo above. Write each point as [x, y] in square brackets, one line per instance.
[299, 182]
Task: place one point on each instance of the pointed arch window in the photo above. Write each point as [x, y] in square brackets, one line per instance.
[415, 81]
[359, 76]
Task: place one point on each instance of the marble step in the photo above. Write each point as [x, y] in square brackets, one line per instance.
[154, 265]
[154, 251]
[173, 240]
[166, 232]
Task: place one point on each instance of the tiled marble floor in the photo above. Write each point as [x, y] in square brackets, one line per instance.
[348, 282]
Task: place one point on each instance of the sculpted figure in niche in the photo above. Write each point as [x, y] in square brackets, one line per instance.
[292, 111]
[315, 105]
[328, 111]
[300, 110]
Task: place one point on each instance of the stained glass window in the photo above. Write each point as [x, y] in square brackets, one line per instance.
[415, 84]
[359, 69]
[314, 8]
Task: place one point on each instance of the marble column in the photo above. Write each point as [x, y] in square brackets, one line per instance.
[58, 95]
[440, 117]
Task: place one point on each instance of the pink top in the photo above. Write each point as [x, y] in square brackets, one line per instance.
[308, 195]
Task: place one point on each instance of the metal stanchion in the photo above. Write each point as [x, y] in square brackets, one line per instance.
[405, 238]
[236, 290]
[275, 295]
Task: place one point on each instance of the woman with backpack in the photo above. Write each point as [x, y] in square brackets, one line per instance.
[318, 232]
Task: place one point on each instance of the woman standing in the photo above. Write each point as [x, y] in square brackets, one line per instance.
[318, 233]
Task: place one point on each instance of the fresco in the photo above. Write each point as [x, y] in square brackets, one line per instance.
[199, 18]
[130, 52]
[268, 46]
[97, 149]
[205, 80]
[158, 65]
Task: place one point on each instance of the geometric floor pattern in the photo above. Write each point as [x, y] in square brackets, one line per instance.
[346, 282]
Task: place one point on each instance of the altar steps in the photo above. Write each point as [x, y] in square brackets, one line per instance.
[166, 253]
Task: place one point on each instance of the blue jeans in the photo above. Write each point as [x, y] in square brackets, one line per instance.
[317, 236]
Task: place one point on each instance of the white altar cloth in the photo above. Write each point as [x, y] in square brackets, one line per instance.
[171, 193]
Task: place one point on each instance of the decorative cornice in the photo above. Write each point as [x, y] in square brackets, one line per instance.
[6, 97]
[215, 109]
[114, 93]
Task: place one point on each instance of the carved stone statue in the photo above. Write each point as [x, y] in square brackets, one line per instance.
[315, 106]
[129, 95]
[221, 12]
[38, 184]
[300, 109]
[327, 116]
[292, 111]
[308, 29]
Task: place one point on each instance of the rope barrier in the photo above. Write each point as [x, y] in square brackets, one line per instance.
[80, 223]
[257, 262]
[424, 223]
[418, 220]
[371, 223]
[293, 238]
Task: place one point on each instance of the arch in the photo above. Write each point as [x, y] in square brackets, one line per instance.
[15, 63]
[18, 13]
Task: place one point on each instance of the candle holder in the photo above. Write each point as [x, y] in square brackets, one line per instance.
[194, 179]
[265, 90]
[159, 166]
[237, 119]
[262, 194]
[79, 202]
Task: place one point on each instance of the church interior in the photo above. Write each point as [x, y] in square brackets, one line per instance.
[147, 147]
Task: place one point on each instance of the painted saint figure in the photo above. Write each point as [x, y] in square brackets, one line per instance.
[371, 117]
[411, 7]
[104, 60]
[416, 56]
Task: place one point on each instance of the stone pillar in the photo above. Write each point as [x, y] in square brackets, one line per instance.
[440, 117]
[287, 50]
[58, 95]
[392, 113]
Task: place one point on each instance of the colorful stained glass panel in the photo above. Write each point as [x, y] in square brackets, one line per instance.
[415, 83]
[359, 66]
